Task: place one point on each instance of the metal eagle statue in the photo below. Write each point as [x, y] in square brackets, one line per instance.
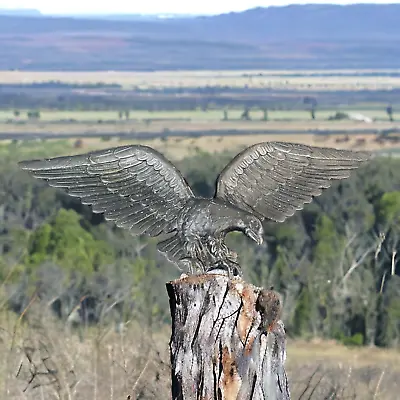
[140, 190]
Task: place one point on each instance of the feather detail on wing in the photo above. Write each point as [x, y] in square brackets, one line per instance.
[275, 179]
[134, 186]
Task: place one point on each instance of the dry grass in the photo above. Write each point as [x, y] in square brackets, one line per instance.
[45, 360]
[267, 79]
[331, 352]
[337, 372]
[178, 148]
[191, 126]
[42, 359]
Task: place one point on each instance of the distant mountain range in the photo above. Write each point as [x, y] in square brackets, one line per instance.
[297, 36]
[131, 17]
[22, 12]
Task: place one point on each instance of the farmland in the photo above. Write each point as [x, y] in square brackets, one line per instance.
[308, 80]
[209, 116]
[183, 109]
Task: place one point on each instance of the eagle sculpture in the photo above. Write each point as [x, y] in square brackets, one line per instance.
[140, 190]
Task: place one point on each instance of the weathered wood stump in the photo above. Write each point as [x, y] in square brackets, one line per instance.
[227, 341]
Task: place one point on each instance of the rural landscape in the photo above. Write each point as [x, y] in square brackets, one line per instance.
[84, 313]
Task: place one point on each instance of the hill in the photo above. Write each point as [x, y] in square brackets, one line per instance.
[20, 12]
[291, 37]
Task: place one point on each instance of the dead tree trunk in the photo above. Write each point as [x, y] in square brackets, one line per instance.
[227, 342]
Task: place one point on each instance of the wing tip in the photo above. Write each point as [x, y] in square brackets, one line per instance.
[364, 156]
[27, 165]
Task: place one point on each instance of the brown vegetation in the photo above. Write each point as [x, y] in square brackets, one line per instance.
[43, 359]
[178, 148]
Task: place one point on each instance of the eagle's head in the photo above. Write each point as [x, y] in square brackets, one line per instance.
[253, 228]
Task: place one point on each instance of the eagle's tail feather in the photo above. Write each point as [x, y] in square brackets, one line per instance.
[174, 248]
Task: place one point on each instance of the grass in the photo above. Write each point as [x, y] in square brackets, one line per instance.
[331, 368]
[177, 148]
[107, 123]
[195, 115]
[259, 79]
[187, 129]
[44, 359]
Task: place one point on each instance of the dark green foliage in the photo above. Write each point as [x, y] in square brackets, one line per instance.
[65, 242]
[33, 114]
[389, 111]
[265, 115]
[201, 171]
[355, 340]
[302, 313]
[335, 262]
[388, 208]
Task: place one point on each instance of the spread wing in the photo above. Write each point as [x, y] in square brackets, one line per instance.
[274, 179]
[134, 186]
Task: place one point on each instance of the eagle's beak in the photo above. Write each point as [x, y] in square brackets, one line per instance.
[253, 235]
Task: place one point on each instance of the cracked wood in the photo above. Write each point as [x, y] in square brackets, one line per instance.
[227, 341]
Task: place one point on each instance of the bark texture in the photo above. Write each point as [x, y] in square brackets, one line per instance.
[227, 342]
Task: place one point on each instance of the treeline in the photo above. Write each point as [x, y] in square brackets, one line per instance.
[52, 84]
[101, 96]
[335, 262]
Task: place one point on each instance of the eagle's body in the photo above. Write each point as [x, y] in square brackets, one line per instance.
[201, 227]
[140, 190]
[210, 217]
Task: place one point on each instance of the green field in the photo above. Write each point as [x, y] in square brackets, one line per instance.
[196, 115]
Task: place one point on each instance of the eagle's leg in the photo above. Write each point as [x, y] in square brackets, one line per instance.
[233, 269]
[191, 265]
[223, 257]
[225, 252]
[194, 262]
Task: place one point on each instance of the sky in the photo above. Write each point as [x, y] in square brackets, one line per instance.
[157, 6]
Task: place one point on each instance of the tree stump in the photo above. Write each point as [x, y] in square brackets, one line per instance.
[227, 341]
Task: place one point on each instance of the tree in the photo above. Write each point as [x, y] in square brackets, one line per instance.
[338, 277]
[217, 347]
[225, 115]
[17, 113]
[265, 114]
[127, 113]
[33, 115]
[389, 111]
[246, 114]
[66, 243]
[312, 103]
[302, 313]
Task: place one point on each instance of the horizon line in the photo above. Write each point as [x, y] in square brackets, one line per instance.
[15, 11]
